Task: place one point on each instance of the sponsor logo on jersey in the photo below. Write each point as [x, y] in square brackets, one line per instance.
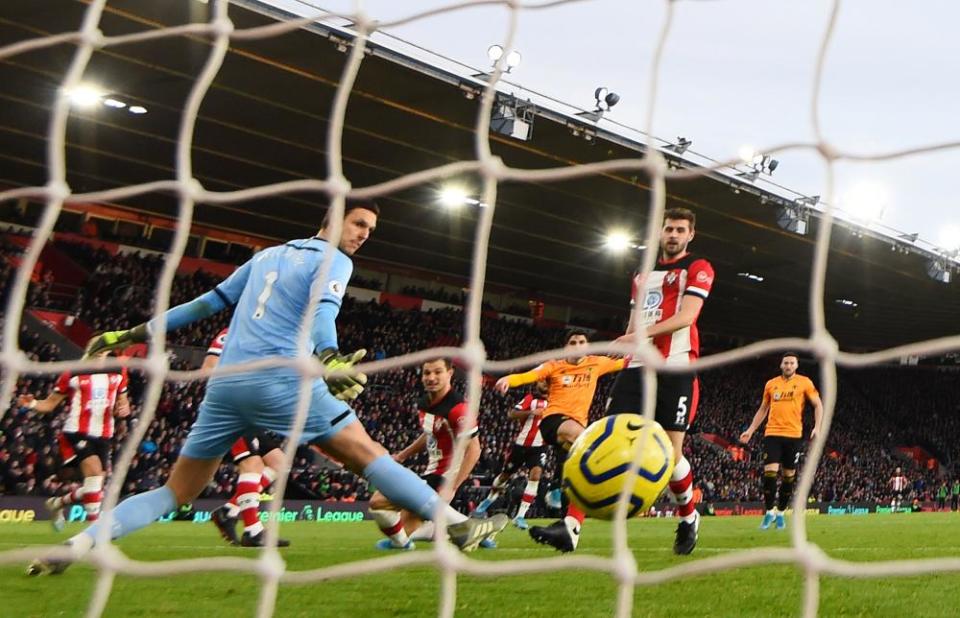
[653, 299]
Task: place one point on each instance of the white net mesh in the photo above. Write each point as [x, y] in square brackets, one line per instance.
[269, 566]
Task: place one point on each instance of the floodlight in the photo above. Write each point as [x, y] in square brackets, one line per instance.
[617, 241]
[605, 99]
[84, 95]
[949, 237]
[137, 109]
[793, 219]
[681, 146]
[939, 270]
[453, 196]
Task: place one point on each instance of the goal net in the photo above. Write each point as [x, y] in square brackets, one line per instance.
[269, 566]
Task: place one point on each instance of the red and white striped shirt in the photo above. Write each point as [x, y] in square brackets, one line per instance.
[92, 400]
[442, 422]
[898, 483]
[529, 434]
[663, 296]
[216, 346]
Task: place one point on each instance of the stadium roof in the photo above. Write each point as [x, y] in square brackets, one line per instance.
[265, 121]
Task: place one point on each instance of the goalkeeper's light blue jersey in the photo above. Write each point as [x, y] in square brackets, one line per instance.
[271, 293]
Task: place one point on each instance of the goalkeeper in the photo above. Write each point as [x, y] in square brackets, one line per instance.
[270, 296]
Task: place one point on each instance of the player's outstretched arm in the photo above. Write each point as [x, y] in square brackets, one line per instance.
[181, 315]
[121, 409]
[412, 449]
[519, 414]
[470, 458]
[519, 379]
[689, 311]
[41, 406]
[817, 415]
[758, 419]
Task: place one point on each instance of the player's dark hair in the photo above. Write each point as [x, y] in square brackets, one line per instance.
[575, 333]
[684, 214]
[352, 204]
[446, 362]
[787, 354]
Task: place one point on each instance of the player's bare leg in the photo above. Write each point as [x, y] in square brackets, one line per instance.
[390, 520]
[361, 455]
[770, 471]
[255, 474]
[499, 484]
[681, 487]
[187, 480]
[563, 534]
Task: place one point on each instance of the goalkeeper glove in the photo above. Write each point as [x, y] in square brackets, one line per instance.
[343, 387]
[116, 339]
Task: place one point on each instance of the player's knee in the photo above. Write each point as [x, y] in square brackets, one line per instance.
[378, 501]
[535, 473]
[250, 465]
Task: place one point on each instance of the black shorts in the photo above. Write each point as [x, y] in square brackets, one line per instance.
[783, 451]
[549, 427]
[524, 457]
[254, 444]
[75, 447]
[677, 398]
[435, 481]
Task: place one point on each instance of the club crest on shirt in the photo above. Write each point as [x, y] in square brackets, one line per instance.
[671, 277]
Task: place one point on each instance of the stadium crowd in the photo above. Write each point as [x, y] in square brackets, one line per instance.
[875, 411]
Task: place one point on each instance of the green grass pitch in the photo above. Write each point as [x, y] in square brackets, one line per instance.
[764, 591]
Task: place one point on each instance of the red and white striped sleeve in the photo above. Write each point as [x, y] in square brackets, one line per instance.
[216, 346]
[699, 279]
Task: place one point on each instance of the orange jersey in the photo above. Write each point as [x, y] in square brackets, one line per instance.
[572, 386]
[786, 399]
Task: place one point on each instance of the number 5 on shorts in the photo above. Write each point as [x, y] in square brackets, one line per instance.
[682, 411]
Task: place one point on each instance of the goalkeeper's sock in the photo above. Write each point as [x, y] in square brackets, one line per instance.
[132, 514]
[786, 491]
[404, 488]
[769, 489]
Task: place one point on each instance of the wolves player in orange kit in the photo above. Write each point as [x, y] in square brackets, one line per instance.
[572, 384]
[95, 398]
[257, 457]
[527, 451]
[784, 398]
[443, 418]
[670, 301]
